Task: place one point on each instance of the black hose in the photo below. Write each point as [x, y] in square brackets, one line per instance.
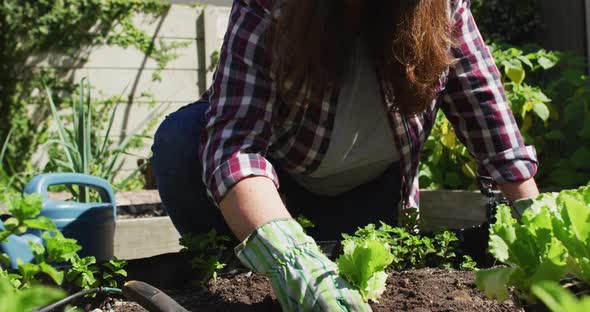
[79, 294]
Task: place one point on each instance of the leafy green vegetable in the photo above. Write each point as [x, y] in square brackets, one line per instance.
[557, 299]
[552, 240]
[363, 265]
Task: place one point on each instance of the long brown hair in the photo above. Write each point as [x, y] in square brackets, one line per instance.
[312, 43]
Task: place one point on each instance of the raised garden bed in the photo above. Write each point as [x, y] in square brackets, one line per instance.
[419, 291]
[414, 290]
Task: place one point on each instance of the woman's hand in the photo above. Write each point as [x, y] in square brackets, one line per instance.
[303, 279]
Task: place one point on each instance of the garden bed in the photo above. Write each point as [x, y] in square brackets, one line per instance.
[415, 290]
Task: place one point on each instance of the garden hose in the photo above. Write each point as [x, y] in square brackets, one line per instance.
[66, 300]
[151, 298]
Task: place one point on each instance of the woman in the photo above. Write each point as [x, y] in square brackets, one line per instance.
[334, 99]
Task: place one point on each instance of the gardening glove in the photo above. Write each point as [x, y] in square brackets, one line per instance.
[302, 277]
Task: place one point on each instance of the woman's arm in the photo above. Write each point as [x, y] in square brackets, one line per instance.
[475, 103]
[518, 190]
[251, 203]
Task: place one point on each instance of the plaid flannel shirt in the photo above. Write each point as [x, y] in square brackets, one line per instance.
[243, 127]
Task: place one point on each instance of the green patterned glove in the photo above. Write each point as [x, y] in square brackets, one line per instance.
[302, 277]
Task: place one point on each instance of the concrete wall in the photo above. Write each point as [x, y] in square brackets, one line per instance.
[115, 71]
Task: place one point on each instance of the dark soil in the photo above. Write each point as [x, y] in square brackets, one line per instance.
[417, 291]
[141, 211]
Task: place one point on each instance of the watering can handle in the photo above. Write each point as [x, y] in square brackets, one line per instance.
[41, 183]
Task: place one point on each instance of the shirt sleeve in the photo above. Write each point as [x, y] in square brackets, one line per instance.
[242, 95]
[475, 103]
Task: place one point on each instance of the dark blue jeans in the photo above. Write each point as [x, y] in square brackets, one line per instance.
[178, 175]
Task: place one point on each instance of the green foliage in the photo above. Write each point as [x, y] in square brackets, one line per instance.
[113, 270]
[27, 299]
[363, 264]
[24, 213]
[415, 251]
[304, 222]
[447, 164]
[57, 249]
[31, 32]
[565, 165]
[558, 299]
[508, 21]
[86, 150]
[208, 249]
[552, 240]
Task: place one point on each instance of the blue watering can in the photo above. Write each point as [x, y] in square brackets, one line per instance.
[91, 224]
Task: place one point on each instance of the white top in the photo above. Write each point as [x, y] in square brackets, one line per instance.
[362, 145]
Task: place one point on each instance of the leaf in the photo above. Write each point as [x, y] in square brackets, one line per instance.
[516, 74]
[376, 286]
[546, 63]
[56, 275]
[360, 261]
[27, 207]
[558, 299]
[59, 248]
[541, 110]
[41, 223]
[494, 282]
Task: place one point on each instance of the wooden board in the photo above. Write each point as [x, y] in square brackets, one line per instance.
[145, 237]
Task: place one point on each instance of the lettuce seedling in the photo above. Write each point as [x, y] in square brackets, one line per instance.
[363, 265]
[552, 240]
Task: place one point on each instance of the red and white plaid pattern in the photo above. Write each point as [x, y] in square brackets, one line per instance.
[243, 126]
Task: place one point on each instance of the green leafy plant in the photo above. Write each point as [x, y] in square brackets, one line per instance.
[27, 299]
[551, 240]
[557, 299]
[113, 270]
[84, 151]
[363, 264]
[57, 249]
[208, 249]
[24, 215]
[304, 222]
[415, 251]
